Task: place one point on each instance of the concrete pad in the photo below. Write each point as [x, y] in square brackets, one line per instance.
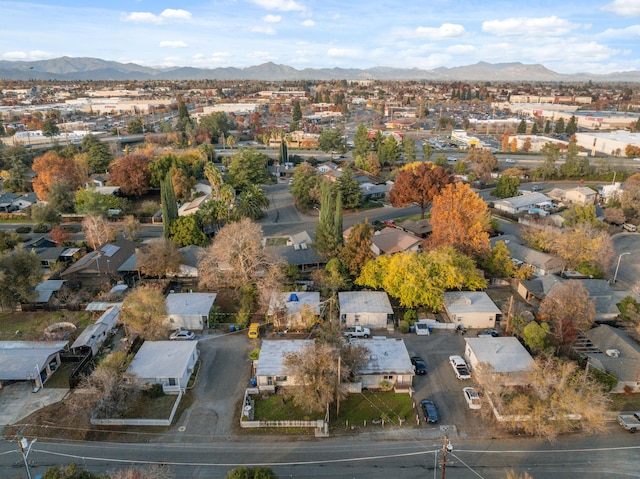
[17, 401]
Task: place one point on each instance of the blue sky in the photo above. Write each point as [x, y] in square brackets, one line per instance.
[566, 36]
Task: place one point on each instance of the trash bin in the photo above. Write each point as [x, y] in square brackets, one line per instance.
[232, 328]
[412, 329]
[253, 382]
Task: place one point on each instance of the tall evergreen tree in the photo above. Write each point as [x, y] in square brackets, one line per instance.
[534, 128]
[522, 127]
[297, 112]
[169, 205]
[559, 129]
[326, 243]
[283, 154]
[337, 220]
[572, 126]
[547, 127]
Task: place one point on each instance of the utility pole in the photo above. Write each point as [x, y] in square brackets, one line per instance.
[25, 449]
[446, 447]
[508, 327]
[338, 387]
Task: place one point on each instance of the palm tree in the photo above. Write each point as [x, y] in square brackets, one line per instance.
[251, 202]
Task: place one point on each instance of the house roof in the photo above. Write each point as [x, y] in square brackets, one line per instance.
[192, 207]
[463, 302]
[540, 287]
[46, 289]
[192, 254]
[601, 294]
[292, 302]
[272, 353]
[386, 356]
[418, 227]
[183, 304]
[20, 359]
[626, 367]
[526, 254]
[162, 359]
[525, 200]
[105, 260]
[583, 190]
[298, 254]
[504, 354]
[394, 240]
[364, 302]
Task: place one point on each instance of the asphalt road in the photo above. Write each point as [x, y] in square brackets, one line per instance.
[629, 270]
[384, 457]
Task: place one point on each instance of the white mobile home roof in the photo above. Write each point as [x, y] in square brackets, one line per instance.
[505, 355]
[162, 359]
[461, 302]
[386, 356]
[190, 303]
[364, 302]
[272, 353]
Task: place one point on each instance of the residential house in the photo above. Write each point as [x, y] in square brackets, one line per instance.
[46, 293]
[371, 309]
[169, 363]
[524, 203]
[189, 310]
[543, 263]
[420, 228]
[6, 202]
[505, 355]
[326, 167]
[374, 191]
[394, 240]
[192, 207]
[91, 339]
[612, 351]
[388, 361]
[294, 310]
[581, 196]
[98, 268]
[189, 267]
[297, 251]
[536, 289]
[471, 309]
[29, 360]
[25, 201]
[38, 242]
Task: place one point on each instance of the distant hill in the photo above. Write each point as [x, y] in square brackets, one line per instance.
[68, 68]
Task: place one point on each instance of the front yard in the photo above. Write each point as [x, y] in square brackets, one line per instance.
[30, 326]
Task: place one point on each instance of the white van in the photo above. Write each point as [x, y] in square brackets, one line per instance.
[629, 227]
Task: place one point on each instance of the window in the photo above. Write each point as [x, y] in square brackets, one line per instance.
[281, 379]
[388, 378]
[172, 381]
[269, 381]
[356, 318]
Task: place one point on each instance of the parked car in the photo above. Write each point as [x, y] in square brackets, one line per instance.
[182, 335]
[537, 188]
[488, 333]
[254, 330]
[459, 367]
[472, 397]
[419, 365]
[509, 160]
[429, 410]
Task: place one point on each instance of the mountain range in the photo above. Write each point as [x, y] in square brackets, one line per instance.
[70, 69]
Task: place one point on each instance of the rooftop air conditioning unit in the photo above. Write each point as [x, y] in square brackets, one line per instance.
[613, 353]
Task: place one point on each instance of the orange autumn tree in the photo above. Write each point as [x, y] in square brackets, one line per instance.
[460, 218]
[51, 168]
[418, 183]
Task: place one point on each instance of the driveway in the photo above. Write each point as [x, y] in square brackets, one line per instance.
[223, 376]
[17, 400]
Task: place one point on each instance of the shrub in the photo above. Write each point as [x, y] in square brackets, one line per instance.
[403, 326]
[153, 391]
[41, 228]
[607, 380]
[410, 316]
[386, 386]
[253, 355]
[23, 229]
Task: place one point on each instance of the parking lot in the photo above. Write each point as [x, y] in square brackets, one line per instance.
[440, 383]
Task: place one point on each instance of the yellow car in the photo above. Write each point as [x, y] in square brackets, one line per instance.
[254, 330]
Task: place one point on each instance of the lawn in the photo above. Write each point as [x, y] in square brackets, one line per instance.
[625, 402]
[281, 408]
[151, 408]
[371, 407]
[29, 326]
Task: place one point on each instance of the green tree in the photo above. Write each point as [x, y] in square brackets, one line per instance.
[169, 205]
[331, 140]
[305, 188]
[548, 169]
[72, 471]
[45, 214]
[409, 149]
[250, 203]
[534, 128]
[506, 187]
[327, 240]
[427, 151]
[388, 151]
[184, 119]
[559, 127]
[248, 167]
[361, 142]
[420, 279]
[535, 335]
[99, 157]
[572, 126]
[498, 262]
[283, 153]
[356, 251]
[50, 128]
[143, 313]
[522, 127]
[349, 188]
[135, 127]
[186, 230]
[296, 115]
[217, 124]
[578, 214]
[20, 272]
[91, 202]
[547, 127]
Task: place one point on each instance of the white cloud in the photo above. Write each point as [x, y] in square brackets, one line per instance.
[30, 55]
[282, 5]
[148, 17]
[446, 30]
[173, 14]
[172, 44]
[271, 18]
[460, 49]
[617, 33]
[142, 17]
[548, 26]
[343, 52]
[264, 56]
[625, 8]
[308, 23]
[220, 54]
[265, 30]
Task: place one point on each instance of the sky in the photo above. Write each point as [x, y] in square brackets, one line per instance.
[566, 36]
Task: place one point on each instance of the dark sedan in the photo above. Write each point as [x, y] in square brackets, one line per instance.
[419, 365]
[429, 410]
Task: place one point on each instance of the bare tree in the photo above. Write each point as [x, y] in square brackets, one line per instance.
[96, 231]
[151, 472]
[159, 258]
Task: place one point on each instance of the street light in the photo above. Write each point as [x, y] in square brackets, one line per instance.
[25, 449]
[615, 275]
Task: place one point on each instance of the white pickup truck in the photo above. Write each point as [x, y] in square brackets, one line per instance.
[357, 332]
[459, 367]
[631, 422]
